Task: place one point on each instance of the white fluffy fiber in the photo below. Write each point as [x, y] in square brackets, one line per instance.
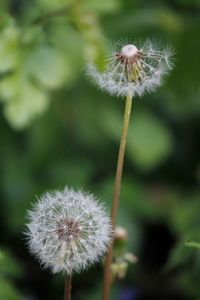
[74, 252]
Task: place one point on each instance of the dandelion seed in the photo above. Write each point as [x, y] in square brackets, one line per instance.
[132, 70]
[68, 230]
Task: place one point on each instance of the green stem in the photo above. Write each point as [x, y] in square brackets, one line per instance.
[68, 287]
[115, 203]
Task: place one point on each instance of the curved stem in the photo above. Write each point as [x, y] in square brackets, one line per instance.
[68, 287]
[115, 203]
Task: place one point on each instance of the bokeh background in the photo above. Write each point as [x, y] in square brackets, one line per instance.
[57, 129]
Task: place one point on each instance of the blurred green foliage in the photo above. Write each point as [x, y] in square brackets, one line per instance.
[57, 129]
[9, 270]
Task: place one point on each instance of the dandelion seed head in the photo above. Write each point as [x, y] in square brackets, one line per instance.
[133, 70]
[68, 230]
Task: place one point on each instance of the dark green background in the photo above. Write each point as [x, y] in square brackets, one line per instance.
[57, 129]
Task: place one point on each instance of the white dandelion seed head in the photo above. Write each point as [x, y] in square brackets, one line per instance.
[68, 230]
[132, 70]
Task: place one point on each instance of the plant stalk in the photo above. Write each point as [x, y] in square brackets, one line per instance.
[68, 287]
[115, 203]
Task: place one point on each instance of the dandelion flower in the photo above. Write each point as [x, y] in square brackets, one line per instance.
[68, 230]
[133, 70]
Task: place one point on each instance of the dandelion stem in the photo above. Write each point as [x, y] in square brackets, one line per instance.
[68, 287]
[117, 186]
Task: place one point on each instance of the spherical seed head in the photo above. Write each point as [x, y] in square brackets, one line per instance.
[68, 230]
[133, 70]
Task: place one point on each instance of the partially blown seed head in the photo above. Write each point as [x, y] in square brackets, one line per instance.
[68, 230]
[133, 70]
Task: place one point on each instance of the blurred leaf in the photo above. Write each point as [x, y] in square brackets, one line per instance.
[145, 132]
[193, 244]
[162, 18]
[103, 6]
[76, 173]
[7, 291]
[50, 5]
[9, 265]
[48, 66]
[112, 123]
[184, 91]
[15, 170]
[27, 103]
[137, 200]
[185, 219]
[3, 7]
[90, 31]
[149, 141]
[135, 21]
[189, 2]
[70, 52]
[8, 88]
[95, 294]
[9, 40]
[179, 255]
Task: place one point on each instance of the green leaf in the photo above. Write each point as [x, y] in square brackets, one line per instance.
[149, 141]
[3, 7]
[8, 88]
[15, 169]
[28, 102]
[71, 52]
[9, 39]
[193, 244]
[9, 265]
[48, 66]
[49, 5]
[103, 6]
[111, 122]
[7, 291]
